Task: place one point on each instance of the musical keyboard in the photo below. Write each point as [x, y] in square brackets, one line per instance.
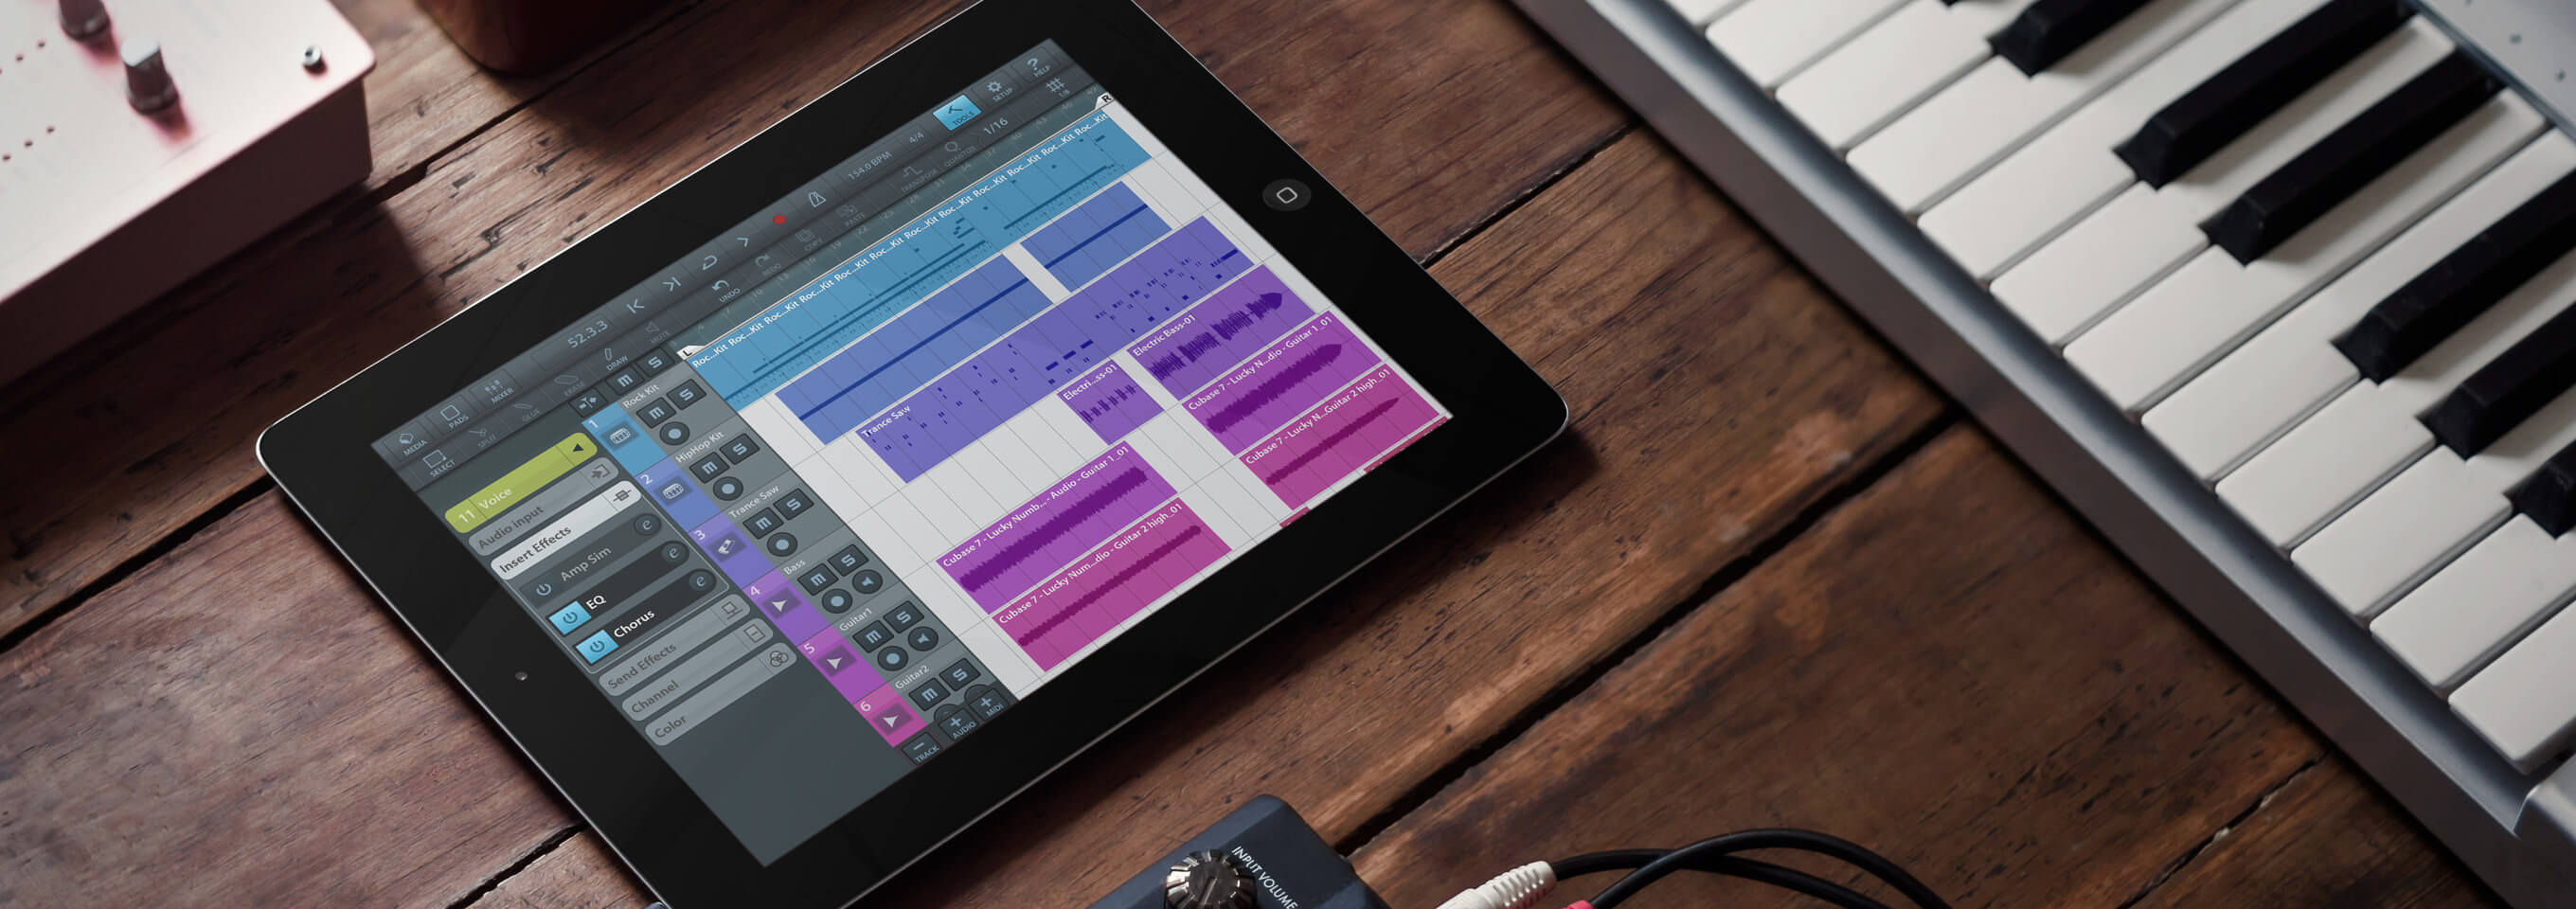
[2280, 293]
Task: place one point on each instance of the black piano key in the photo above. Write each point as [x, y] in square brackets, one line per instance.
[2548, 496]
[2464, 284]
[2048, 30]
[2222, 108]
[2320, 178]
[2502, 394]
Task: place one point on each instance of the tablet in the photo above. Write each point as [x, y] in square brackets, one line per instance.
[810, 510]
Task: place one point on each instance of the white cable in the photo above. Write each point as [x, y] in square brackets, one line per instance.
[1519, 888]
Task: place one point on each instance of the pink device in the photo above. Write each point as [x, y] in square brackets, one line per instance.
[143, 140]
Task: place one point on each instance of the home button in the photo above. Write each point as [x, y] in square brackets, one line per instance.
[1286, 195]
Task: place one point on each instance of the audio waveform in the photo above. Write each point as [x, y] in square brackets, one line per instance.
[870, 287]
[1091, 505]
[1283, 380]
[1101, 410]
[1337, 437]
[1224, 330]
[1377, 413]
[1109, 401]
[933, 423]
[1273, 388]
[1220, 332]
[1115, 583]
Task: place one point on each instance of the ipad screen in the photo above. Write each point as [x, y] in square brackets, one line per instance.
[817, 502]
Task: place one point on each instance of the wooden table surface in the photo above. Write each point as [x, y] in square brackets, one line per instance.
[1770, 577]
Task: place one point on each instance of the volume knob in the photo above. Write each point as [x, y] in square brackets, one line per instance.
[83, 18]
[147, 81]
[1207, 880]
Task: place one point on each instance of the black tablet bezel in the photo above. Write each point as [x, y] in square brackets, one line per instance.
[1501, 411]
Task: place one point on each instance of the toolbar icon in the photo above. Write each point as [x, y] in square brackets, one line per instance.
[957, 112]
[814, 200]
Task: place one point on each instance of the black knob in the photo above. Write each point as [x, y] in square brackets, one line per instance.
[1207, 880]
[83, 18]
[147, 79]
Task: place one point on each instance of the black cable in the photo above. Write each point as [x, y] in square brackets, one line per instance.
[1698, 854]
[1749, 869]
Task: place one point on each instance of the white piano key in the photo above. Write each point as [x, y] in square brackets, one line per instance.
[2524, 703]
[2369, 432]
[2430, 513]
[2481, 603]
[2118, 251]
[2043, 186]
[2290, 369]
[1770, 39]
[1699, 12]
[1992, 110]
[1887, 67]
[2145, 349]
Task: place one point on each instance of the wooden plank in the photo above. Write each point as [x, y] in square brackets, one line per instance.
[1719, 393]
[425, 94]
[1434, 114]
[2328, 838]
[238, 725]
[1947, 669]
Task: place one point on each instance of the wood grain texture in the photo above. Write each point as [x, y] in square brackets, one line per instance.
[1946, 668]
[1718, 394]
[143, 438]
[239, 725]
[226, 340]
[2327, 838]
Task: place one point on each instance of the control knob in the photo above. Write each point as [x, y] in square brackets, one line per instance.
[83, 18]
[147, 81]
[1207, 880]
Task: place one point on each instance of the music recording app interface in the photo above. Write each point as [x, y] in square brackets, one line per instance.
[818, 502]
